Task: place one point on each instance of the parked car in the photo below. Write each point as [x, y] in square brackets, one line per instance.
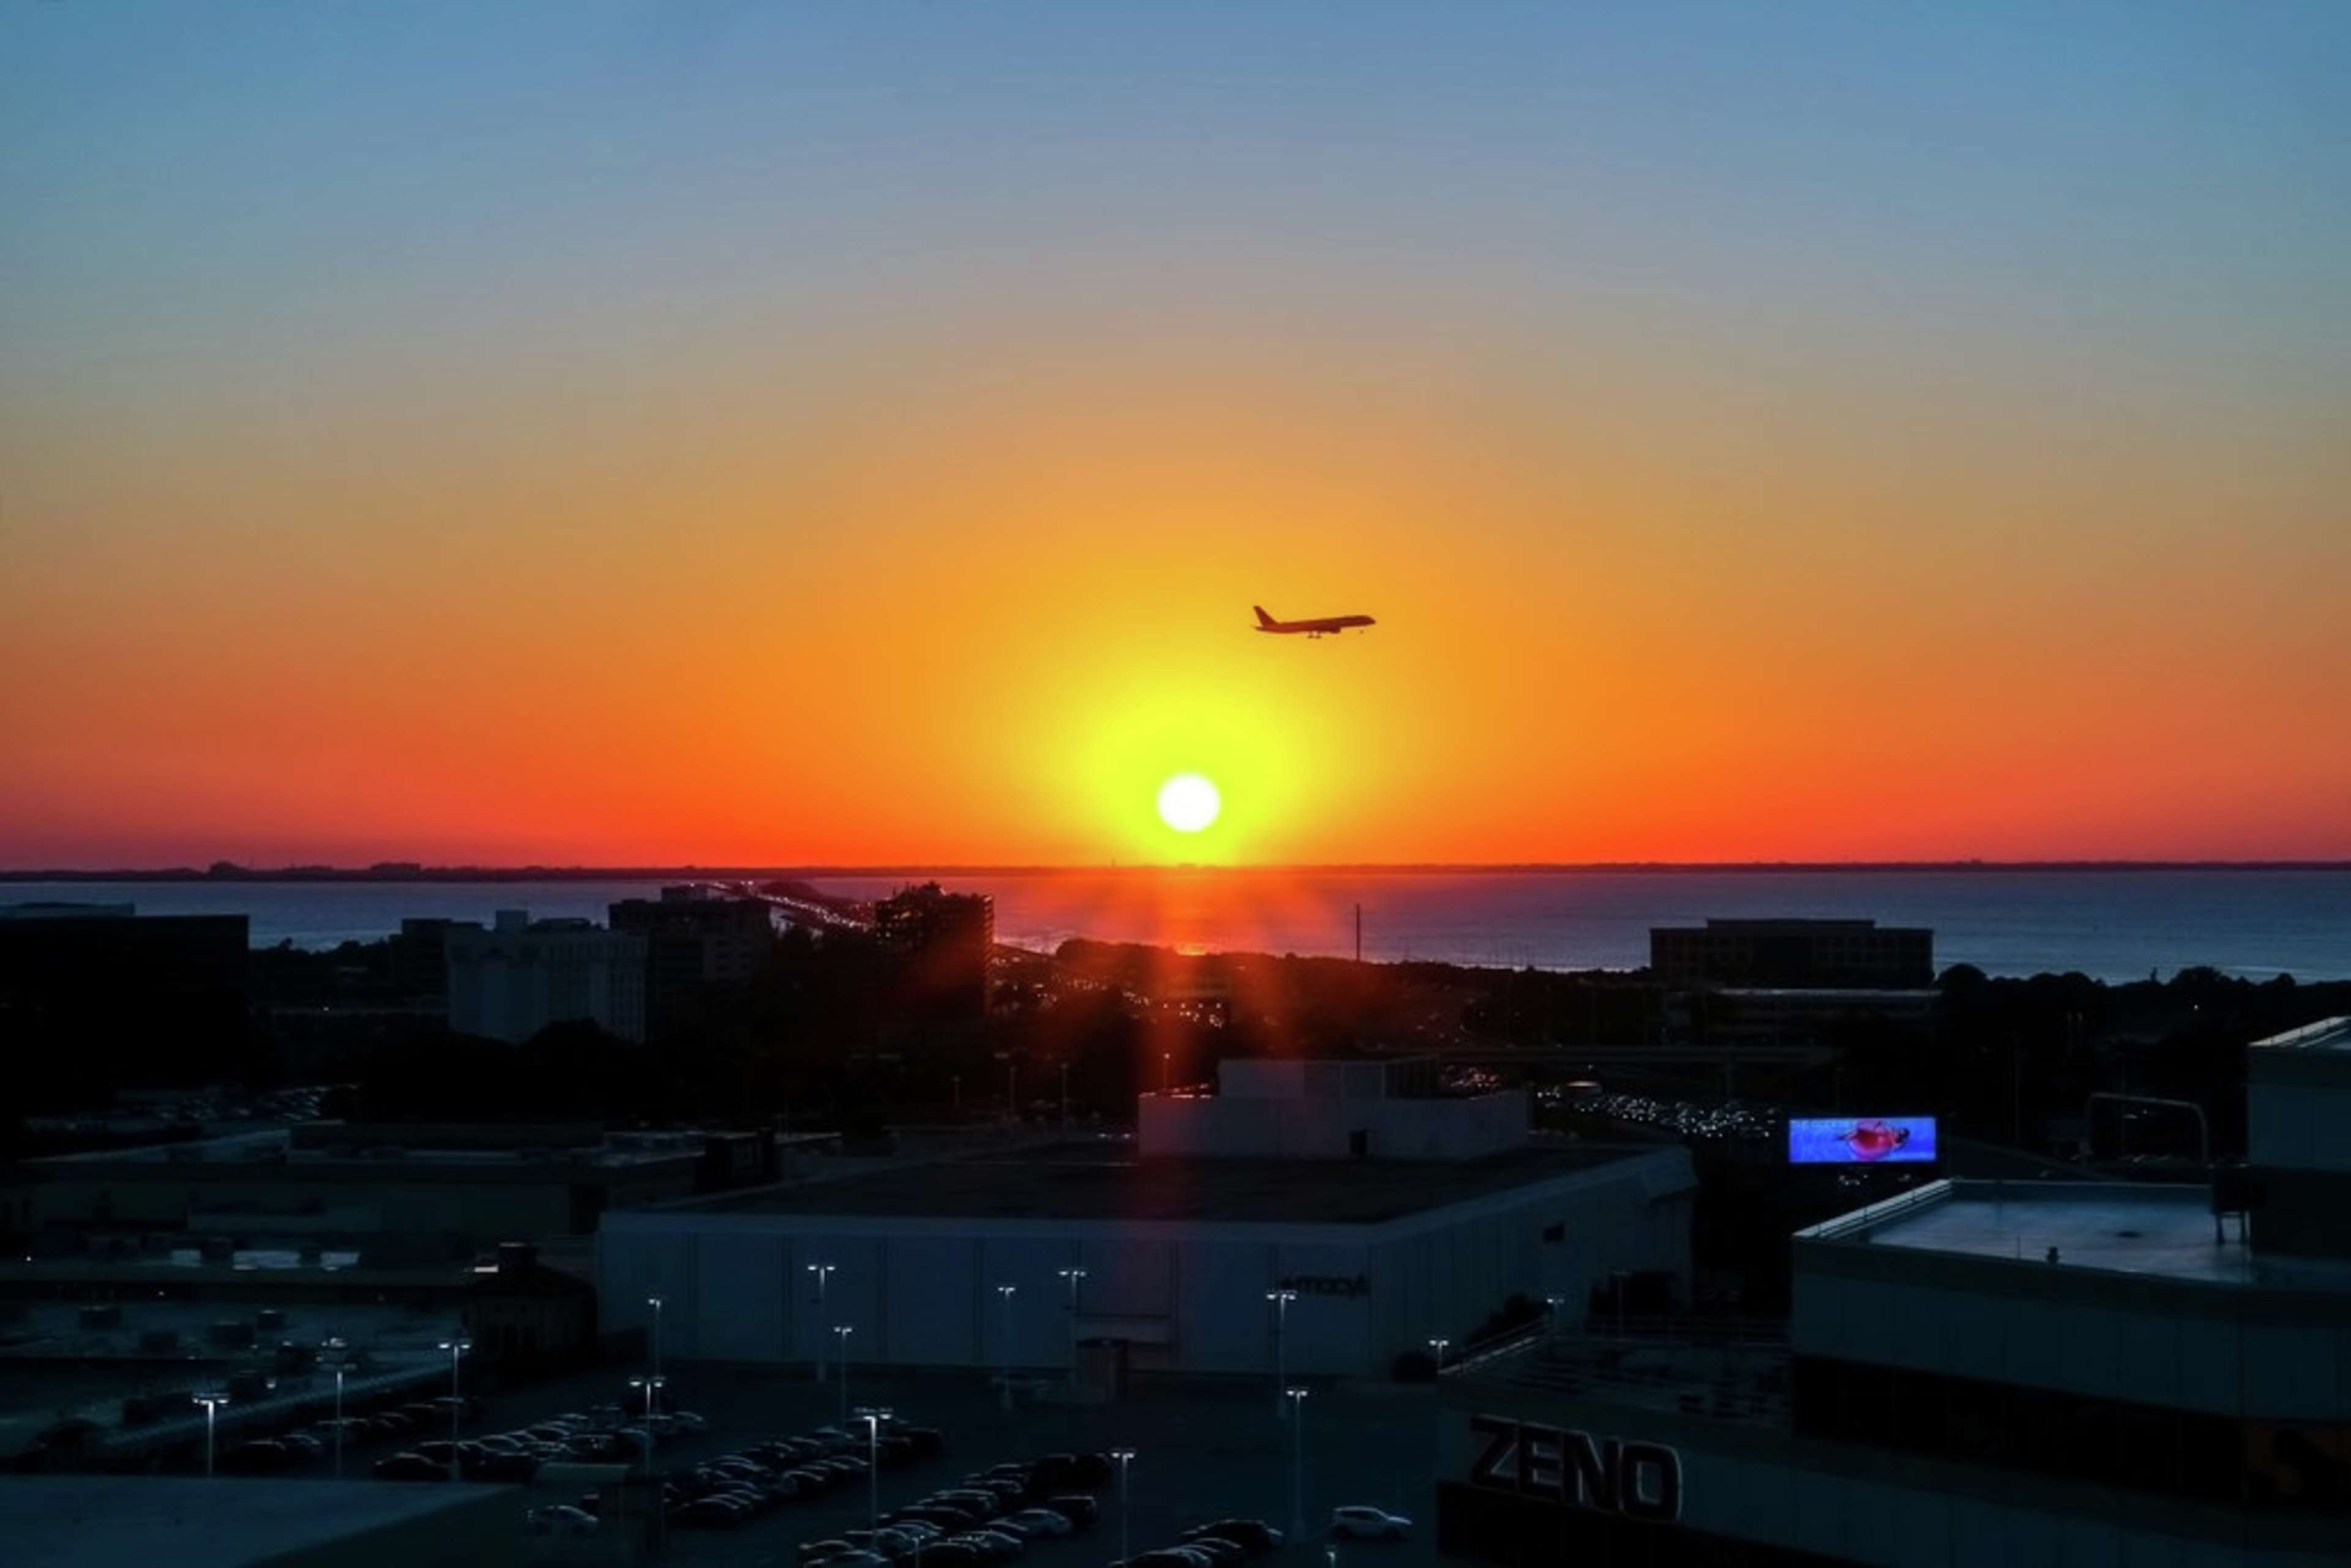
[560, 1518]
[1357, 1522]
[409, 1467]
[1077, 1507]
[1218, 1549]
[928, 1440]
[1165, 1557]
[722, 1512]
[1252, 1535]
[814, 1552]
[1041, 1521]
[952, 1554]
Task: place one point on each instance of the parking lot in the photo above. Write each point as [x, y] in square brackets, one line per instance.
[1204, 1450]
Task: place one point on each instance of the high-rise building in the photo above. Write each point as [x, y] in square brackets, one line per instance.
[693, 942]
[513, 980]
[942, 942]
[1794, 953]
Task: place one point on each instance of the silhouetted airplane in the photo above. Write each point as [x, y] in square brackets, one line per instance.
[1311, 628]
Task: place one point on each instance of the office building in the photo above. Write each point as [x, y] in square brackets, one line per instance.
[1794, 954]
[513, 980]
[1974, 1372]
[942, 943]
[387, 1191]
[693, 943]
[1176, 1244]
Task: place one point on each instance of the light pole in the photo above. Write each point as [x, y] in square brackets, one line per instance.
[1076, 1277]
[840, 1332]
[1297, 1398]
[875, 1415]
[1436, 1347]
[1124, 1457]
[212, 1403]
[655, 1302]
[1004, 1338]
[336, 1348]
[1065, 1093]
[1280, 1300]
[823, 1271]
[455, 1347]
[1166, 1069]
[651, 1386]
[1551, 1325]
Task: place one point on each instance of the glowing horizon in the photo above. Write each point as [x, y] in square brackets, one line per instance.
[580, 436]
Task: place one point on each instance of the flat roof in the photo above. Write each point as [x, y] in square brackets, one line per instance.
[2326, 1034]
[190, 1522]
[2164, 1230]
[1719, 1376]
[1088, 1181]
[273, 1149]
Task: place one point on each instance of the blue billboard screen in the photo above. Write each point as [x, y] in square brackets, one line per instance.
[1860, 1140]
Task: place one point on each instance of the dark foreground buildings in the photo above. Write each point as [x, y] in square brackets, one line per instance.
[1794, 954]
[694, 944]
[95, 993]
[2049, 1372]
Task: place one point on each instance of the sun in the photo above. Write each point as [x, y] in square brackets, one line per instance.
[1189, 802]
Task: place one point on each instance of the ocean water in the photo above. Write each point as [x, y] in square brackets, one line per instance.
[2114, 925]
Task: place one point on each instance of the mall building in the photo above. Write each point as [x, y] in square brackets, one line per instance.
[1389, 1211]
[1974, 1373]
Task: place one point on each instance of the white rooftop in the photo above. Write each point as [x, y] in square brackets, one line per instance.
[2124, 1228]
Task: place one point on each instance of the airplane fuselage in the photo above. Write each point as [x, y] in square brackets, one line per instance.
[1321, 626]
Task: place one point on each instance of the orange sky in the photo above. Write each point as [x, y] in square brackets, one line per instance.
[1708, 512]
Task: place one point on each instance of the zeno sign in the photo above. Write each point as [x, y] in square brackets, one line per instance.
[1561, 1465]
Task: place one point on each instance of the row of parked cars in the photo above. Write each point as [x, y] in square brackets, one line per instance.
[316, 1439]
[993, 1515]
[603, 1435]
[1210, 1545]
[736, 1488]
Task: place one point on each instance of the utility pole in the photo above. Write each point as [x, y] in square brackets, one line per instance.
[1359, 933]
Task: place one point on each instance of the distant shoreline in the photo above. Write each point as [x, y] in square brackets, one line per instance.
[431, 874]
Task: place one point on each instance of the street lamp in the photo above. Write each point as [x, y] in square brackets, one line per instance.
[212, 1403]
[1436, 1347]
[1124, 1457]
[1297, 1398]
[455, 1347]
[655, 1302]
[1004, 1340]
[823, 1271]
[875, 1415]
[1280, 1300]
[652, 1386]
[840, 1332]
[1166, 1068]
[1075, 1276]
[1551, 1324]
[336, 1348]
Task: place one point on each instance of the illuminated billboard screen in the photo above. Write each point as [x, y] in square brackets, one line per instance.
[1860, 1140]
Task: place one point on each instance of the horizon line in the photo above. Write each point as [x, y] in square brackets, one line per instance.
[411, 870]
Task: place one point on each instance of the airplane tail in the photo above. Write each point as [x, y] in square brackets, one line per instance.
[1262, 618]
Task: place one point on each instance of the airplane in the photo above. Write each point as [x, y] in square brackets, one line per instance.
[1332, 623]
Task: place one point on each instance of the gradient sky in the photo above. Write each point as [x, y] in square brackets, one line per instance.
[624, 432]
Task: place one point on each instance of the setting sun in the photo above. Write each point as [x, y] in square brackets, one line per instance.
[1188, 802]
